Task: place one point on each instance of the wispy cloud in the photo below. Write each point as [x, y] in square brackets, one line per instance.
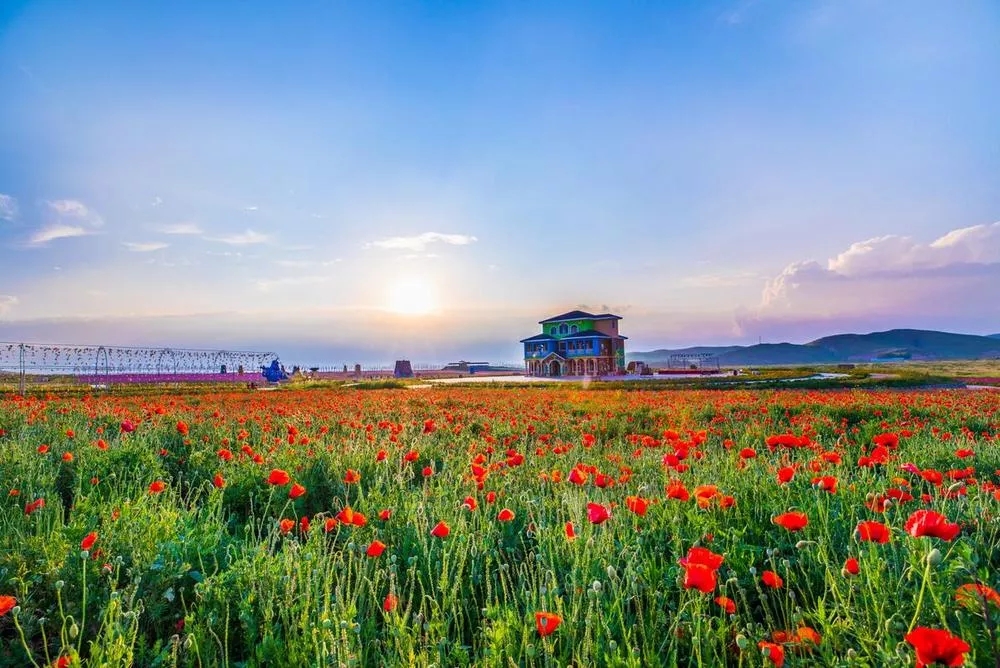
[156, 201]
[243, 239]
[57, 231]
[145, 247]
[7, 303]
[181, 228]
[71, 208]
[419, 242]
[8, 207]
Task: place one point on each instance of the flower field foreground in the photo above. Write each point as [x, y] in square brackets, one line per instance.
[536, 526]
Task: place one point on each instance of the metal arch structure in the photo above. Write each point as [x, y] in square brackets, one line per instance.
[33, 360]
[693, 360]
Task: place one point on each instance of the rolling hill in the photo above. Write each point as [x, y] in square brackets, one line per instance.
[893, 345]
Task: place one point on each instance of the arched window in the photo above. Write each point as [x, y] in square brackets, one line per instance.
[563, 329]
[573, 329]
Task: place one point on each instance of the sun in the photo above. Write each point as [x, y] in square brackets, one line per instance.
[412, 296]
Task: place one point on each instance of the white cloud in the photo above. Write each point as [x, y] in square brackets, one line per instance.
[419, 242]
[57, 231]
[181, 228]
[243, 239]
[957, 273]
[8, 207]
[146, 247]
[156, 201]
[71, 208]
[250, 208]
[7, 303]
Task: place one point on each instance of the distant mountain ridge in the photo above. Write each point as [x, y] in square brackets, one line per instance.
[895, 344]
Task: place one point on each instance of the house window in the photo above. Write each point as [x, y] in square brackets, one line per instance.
[573, 329]
[555, 330]
[563, 329]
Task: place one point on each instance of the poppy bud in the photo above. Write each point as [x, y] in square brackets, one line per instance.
[934, 557]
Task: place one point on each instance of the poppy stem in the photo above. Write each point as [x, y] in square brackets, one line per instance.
[923, 588]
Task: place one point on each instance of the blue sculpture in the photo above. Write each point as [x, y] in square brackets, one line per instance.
[274, 373]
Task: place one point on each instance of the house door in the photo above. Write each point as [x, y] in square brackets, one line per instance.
[554, 368]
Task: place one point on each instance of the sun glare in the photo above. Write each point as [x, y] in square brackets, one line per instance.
[412, 296]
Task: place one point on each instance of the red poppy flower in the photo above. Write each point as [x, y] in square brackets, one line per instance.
[793, 521]
[930, 523]
[411, 456]
[376, 549]
[43, 449]
[67, 456]
[505, 515]
[88, 541]
[774, 652]
[702, 556]
[385, 515]
[851, 566]
[428, 472]
[975, 596]
[637, 505]
[491, 497]
[727, 604]
[470, 503]
[296, 491]
[157, 486]
[772, 580]
[390, 603]
[32, 506]
[937, 646]
[440, 530]
[182, 428]
[352, 477]
[677, 490]
[700, 577]
[218, 481]
[278, 477]
[748, 453]
[286, 525]
[827, 483]
[547, 622]
[349, 516]
[329, 525]
[598, 514]
[873, 532]
[577, 476]
[785, 474]
[570, 532]
[7, 603]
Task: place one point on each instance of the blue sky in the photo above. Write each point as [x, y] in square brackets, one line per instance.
[341, 181]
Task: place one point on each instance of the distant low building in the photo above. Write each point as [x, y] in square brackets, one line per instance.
[467, 367]
[576, 343]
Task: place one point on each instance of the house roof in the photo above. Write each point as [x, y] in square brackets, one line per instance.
[591, 334]
[579, 315]
[537, 338]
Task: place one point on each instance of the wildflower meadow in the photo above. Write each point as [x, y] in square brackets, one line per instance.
[532, 526]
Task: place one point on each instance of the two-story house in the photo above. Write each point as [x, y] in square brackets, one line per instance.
[576, 344]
